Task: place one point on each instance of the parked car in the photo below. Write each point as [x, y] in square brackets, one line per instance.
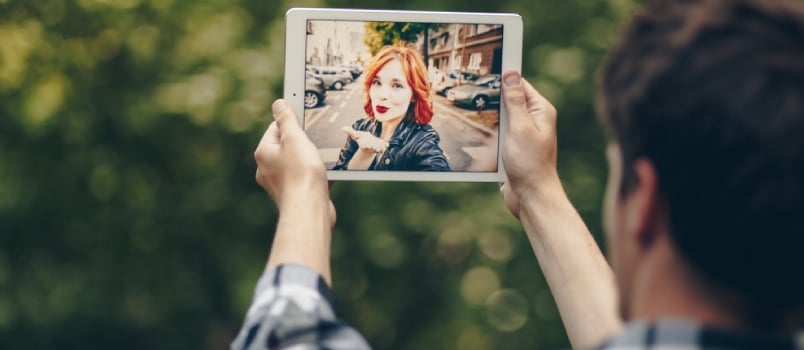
[345, 72]
[353, 69]
[446, 81]
[333, 78]
[479, 94]
[315, 92]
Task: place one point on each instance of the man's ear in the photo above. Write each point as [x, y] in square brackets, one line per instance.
[643, 204]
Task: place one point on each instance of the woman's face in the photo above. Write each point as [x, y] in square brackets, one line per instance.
[389, 93]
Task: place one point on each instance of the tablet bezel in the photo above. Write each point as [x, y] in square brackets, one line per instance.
[295, 58]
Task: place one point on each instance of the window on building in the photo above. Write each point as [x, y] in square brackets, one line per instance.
[485, 28]
[474, 61]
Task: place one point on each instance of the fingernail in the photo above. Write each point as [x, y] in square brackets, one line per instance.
[512, 79]
[279, 106]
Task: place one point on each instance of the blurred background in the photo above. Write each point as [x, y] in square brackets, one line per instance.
[129, 215]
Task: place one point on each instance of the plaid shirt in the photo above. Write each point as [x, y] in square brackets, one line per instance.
[678, 334]
[293, 309]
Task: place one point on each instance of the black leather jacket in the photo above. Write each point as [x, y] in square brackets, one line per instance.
[412, 147]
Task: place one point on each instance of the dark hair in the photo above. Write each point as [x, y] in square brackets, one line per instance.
[712, 92]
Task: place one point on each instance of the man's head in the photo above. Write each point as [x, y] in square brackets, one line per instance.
[705, 100]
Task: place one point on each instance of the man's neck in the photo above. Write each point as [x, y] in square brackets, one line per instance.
[665, 287]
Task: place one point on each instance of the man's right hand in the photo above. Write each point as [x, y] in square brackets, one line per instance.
[529, 151]
[579, 277]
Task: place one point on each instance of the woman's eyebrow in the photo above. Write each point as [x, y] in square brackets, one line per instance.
[397, 80]
[383, 77]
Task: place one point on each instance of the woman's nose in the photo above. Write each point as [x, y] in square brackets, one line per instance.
[383, 93]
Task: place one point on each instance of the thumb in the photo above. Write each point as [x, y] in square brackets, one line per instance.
[285, 119]
[514, 99]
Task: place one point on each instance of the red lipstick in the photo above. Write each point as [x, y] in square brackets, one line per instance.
[381, 109]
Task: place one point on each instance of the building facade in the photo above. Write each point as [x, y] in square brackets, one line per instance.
[476, 48]
[333, 43]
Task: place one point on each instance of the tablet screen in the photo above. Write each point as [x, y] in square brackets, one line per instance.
[404, 96]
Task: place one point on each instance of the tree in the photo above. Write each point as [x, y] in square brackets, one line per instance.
[129, 216]
[379, 34]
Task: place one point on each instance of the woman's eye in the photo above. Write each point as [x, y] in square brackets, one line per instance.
[375, 83]
[398, 86]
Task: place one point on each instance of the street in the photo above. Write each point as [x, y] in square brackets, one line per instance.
[467, 145]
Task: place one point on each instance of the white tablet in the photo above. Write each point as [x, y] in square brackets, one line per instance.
[402, 95]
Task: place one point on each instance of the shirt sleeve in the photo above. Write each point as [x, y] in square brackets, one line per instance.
[349, 148]
[346, 154]
[293, 309]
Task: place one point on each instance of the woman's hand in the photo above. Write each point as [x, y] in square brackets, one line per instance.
[366, 140]
[369, 146]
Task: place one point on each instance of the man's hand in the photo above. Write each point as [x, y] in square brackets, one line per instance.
[288, 164]
[291, 170]
[530, 149]
[578, 275]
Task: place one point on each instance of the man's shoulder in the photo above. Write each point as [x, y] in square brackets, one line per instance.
[686, 335]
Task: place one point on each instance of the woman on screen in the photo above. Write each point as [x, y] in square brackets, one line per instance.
[395, 134]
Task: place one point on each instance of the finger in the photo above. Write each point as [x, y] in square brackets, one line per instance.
[378, 145]
[285, 119]
[270, 137]
[373, 147]
[333, 214]
[514, 100]
[290, 132]
[353, 134]
[533, 98]
[537, 104]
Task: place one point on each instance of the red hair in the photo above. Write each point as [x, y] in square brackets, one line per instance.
[416, 74]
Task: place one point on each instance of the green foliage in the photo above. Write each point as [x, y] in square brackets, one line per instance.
[379, 34]
[129, 216]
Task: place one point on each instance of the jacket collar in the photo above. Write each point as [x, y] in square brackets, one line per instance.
[401, 134]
